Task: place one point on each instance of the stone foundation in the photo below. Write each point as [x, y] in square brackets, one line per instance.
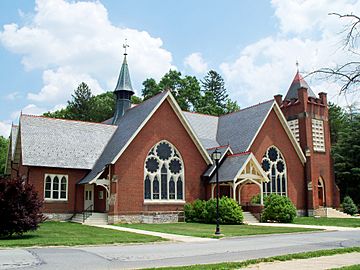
[57, 216]
[151, 217]
[300, 212]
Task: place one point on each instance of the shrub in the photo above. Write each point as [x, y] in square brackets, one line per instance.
[278, 208]
[19, 207]
[349, 206]
[205, 211]
[256, 199]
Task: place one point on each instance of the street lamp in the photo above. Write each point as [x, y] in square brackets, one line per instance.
[216, 155]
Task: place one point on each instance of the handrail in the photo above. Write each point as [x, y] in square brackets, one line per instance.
[87, 212]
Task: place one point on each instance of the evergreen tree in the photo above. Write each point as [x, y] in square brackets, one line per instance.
[80, 105]
[4, 144]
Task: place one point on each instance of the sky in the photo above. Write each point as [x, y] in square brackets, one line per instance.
[47, 47]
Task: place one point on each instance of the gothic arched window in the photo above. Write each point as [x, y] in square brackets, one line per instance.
[163, 173]
[273, 164]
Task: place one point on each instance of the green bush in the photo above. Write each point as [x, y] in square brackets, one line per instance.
[205, 211]
[349, 206]
[256, 199]
[278, 208]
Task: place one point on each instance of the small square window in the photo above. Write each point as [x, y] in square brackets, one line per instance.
[101, 195]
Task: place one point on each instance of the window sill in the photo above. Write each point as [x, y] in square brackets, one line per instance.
[55, 201]
[152, 202]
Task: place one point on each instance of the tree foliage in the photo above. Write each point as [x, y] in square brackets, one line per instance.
[4, 144]
[20, 207]
[87, 107]
[346, 154]
[349, 206]
[209, 98]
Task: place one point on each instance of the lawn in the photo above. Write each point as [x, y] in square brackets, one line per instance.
[288, 257]
[323, 221]
[69, 234]
[207, 230]
[351, 267]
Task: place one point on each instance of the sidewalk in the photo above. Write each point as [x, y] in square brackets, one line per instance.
[319, 263]
[172, 237]
[290, 225]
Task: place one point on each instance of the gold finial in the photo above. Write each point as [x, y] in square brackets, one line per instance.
[125, 45]
[297, 65]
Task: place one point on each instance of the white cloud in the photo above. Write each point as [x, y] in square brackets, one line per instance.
[60, 84]
[74, 41]
[5, 127]
[13, 96]
[267, 67]
[196, 63]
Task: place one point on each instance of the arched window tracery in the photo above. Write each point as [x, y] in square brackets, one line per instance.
[273, 164]
[163, 173]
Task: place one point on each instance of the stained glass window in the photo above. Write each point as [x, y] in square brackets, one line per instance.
[163, 173]
[273, 164]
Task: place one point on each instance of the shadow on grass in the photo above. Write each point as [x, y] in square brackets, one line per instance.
[19, 237]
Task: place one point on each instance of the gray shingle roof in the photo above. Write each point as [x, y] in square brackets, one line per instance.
[223, 151]
[230, 167]
[13, 135]
[205, 127]
[128, 125]
[297, 83]
[238, 129]
[49, 142]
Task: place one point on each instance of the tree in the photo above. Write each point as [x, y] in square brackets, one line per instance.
[4, 144]
[348, 74]
[338, 121]
[20, 207]
[86, 107]
[186, 90]
[346, 155]
[215, 100]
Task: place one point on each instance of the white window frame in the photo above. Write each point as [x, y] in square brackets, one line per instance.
[318, 138]
[169, 175]
[60, 177]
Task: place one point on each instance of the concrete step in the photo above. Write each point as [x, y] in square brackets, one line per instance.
[249, 218]
[331, 212]
[94, 219]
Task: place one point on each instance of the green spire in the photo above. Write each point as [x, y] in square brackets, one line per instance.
[124, 82]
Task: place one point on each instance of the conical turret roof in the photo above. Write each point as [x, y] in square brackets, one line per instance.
[297, 83]
[124, 82]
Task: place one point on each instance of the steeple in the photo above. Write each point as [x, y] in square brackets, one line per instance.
[297, 83]
[123, 90]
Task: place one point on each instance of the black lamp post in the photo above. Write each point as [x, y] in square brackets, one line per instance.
[216, 155]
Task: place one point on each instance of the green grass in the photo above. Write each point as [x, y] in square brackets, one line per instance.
[351, 267]
[236, 265]
[323, 221]
[207, 230]
[70, 234]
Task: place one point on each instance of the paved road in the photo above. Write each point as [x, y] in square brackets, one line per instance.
[166, 254]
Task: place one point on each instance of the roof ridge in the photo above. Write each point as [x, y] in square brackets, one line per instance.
[217, 147]
[63, 119]
[240, 154]
[252, 106]
[138, 105]
[202, 114]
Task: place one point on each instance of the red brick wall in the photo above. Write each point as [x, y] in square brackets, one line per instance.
[273, 133]
[247, 192]
[319, 164]
[36, 178]
[164, 125]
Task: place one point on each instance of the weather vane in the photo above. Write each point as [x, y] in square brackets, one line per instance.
[297, 65]
[125, 45]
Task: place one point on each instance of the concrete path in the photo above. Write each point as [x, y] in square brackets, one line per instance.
[319, 263]
[172, 237]
[161, 254]
[290, 225]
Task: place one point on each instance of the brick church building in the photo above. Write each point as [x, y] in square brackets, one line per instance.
[147, 161]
